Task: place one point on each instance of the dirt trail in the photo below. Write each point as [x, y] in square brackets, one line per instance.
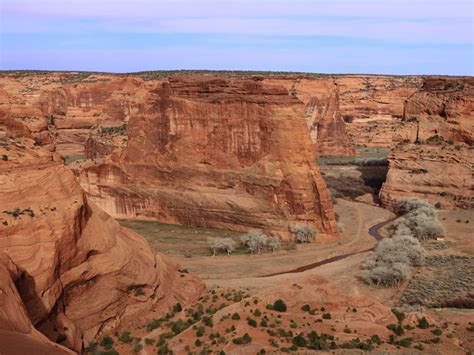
[373, 231]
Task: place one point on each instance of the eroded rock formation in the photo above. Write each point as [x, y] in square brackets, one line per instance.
[77, 272]
[322, 113]
[439, 167]
[216, 152]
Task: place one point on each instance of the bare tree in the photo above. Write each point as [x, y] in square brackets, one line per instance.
[303, 233]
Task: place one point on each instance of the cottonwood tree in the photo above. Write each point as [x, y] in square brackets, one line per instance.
[392, 260]
[273, 243]
[224, 244]
[254, 241]
[303, 233]
[417, 218]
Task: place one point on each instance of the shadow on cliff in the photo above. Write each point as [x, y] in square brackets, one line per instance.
[39, 315]
[374, 177]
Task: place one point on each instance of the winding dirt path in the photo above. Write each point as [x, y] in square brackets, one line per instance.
[373, 231]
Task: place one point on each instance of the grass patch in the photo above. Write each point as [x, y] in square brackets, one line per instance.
[445, 281]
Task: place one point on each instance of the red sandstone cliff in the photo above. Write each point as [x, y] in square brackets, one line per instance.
[439, 168]
[216, 152]
[322, 113]
[71, 271]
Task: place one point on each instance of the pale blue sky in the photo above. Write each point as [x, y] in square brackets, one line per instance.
[328, 36]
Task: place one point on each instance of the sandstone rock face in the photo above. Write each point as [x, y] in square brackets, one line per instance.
[373, 107]
[444, 106]
[216, 152]
[322, 113]
[65, 108]
[439, 169]
[438, 173]
[17, 334]
[76, 271]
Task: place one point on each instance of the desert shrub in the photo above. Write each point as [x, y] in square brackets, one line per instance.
[305, 308]
[273, 243]
[252, 322]
[225, 244]
[125, 338]
[279, 306]
[304, 233]
[177, 308]
[327, 315]
[399, 314]
[300, 341]
[423, 323]
[245, 339]
[107, 343]
[254, 241]
[235, 316]
[417, 218]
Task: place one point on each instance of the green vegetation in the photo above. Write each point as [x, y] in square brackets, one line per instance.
[303, 233]
[391, 262]
[107, 343]
[245, 339]
[113, 130]
[125, 338]
[423, 323]
[445, 281]
[279, 306]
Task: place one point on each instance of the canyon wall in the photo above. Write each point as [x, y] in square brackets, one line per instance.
[322, 113]
[215, 152]
[438, 167]
[67, 269]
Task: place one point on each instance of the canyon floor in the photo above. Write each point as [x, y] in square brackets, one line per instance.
[246, 284]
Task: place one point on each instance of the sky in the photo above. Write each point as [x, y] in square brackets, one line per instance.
[322, 36]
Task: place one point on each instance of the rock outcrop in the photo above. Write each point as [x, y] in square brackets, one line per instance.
[17, 334]
[76, 271]
[444, 106]
[216, 152]
[439, 167]
[322, 113]
[440, 173]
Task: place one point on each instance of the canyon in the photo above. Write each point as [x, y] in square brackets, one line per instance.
[234, 152]
[68, 269]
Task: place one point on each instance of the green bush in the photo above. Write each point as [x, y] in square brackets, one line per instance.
[279, 306]
[252, 322]
[235, 316]
[245, 339]
[327, 315]
[177, 308]
[107, 343]
[305, 308]
[300, 341]
[125, 338]
[423, 323]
